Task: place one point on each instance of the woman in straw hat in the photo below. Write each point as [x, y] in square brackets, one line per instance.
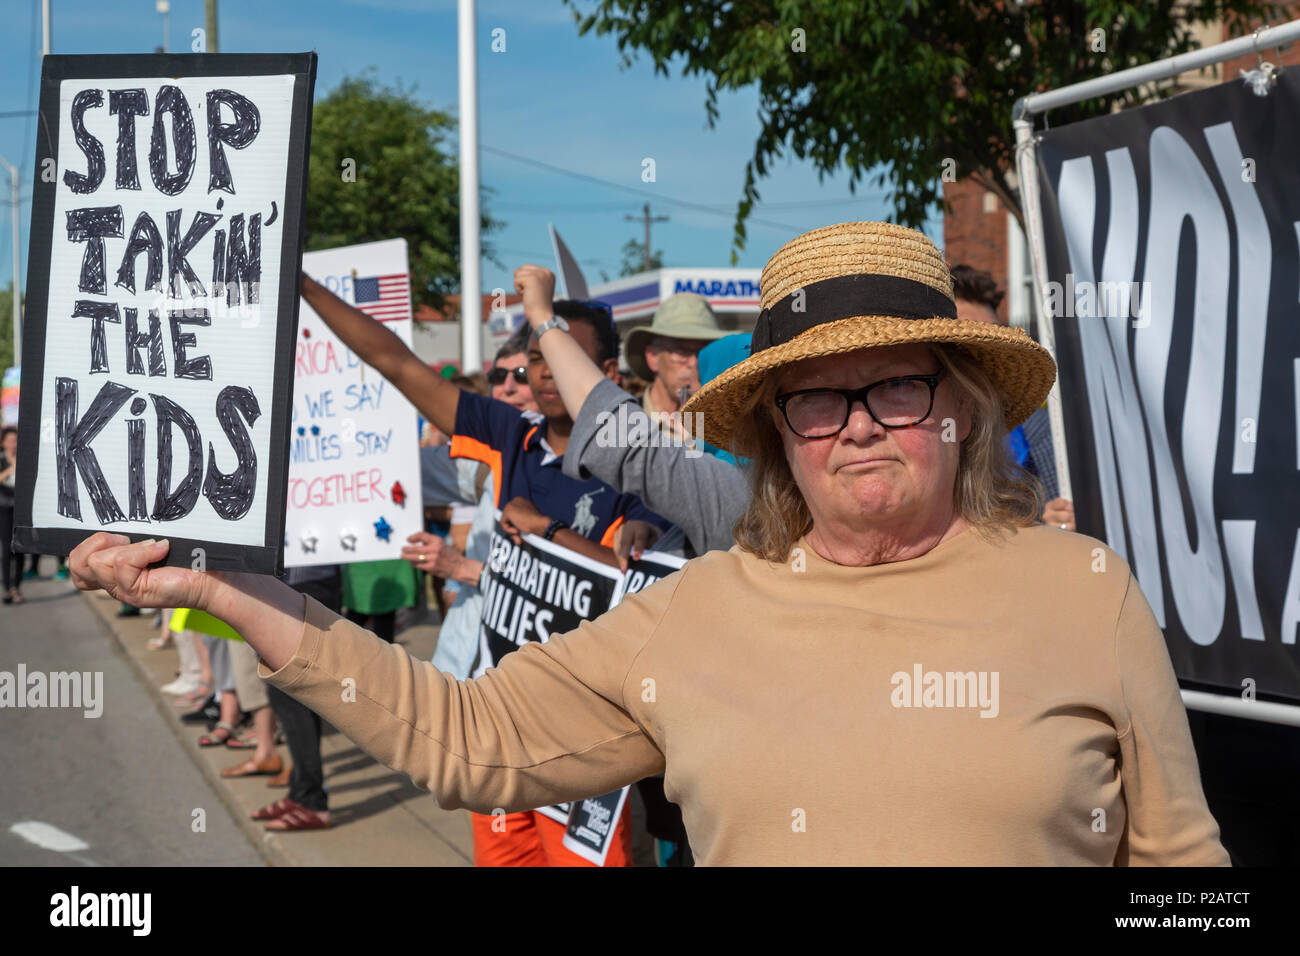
[895, 664]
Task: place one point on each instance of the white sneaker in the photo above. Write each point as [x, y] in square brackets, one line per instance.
[180, 686]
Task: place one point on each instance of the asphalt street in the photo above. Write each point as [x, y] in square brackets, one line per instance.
[113, 790]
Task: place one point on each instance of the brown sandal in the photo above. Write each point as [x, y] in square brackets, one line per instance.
[254, 768]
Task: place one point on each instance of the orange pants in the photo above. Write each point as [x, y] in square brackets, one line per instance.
[531, 839]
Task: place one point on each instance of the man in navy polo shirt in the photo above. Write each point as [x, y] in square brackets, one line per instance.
[525, 452]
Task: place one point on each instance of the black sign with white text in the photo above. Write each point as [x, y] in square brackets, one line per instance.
[1171, 235]
[533, 590]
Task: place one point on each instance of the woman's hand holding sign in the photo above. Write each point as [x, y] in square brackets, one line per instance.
[521, 517]
[632, 539]
[113, 563]
[1059, 513]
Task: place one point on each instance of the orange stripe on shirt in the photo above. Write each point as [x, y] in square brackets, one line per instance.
[607, 539]
[464, 447]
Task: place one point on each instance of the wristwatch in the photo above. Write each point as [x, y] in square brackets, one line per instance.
[554, 322]
[555, 525]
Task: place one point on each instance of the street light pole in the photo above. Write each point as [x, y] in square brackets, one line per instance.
[165, 8]
[18, 314]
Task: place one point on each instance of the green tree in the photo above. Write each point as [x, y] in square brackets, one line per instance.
[381, 168]
[904, 89]
[7, 326]
[634, 258]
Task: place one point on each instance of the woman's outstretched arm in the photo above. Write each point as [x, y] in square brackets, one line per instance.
[551, 723]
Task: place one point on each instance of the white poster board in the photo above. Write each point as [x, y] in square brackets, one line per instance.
[166, 235]
[354, 444]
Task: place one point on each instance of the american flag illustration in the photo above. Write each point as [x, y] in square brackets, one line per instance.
[386, 298]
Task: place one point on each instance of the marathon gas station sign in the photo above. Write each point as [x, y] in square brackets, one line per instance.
[725, 290]
[729, 292]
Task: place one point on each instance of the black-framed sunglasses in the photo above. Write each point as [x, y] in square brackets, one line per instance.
[497, 376]
[901, 402]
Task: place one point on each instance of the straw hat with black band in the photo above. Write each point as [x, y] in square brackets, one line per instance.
[860, 285]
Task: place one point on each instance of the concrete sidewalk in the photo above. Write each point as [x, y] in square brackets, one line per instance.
[377, 817]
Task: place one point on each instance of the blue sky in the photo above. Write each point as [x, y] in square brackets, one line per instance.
[552, 96]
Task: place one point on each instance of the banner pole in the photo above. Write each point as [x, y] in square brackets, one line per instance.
[1265, 710]
[1027, 171]
[1263, 39]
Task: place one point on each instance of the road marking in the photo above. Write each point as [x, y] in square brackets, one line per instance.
[48, 837]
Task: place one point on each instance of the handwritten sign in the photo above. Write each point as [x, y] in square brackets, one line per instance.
[354, 458]
[166, 242]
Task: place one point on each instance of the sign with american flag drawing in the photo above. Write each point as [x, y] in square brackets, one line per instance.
[387, 297]
[354, 445]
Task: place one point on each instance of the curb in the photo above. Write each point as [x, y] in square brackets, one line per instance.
[263, 841]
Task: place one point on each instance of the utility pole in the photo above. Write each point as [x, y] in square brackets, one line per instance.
[17, 288]
[210, 25]
[647, 219]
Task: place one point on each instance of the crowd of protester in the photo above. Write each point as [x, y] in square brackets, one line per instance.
[524, 439]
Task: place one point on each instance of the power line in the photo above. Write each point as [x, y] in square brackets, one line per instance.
[649, 194]
[585, 207]
[568, 207]
[530, 256]
[817, 203]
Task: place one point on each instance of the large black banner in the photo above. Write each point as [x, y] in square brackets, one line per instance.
[1171, 236]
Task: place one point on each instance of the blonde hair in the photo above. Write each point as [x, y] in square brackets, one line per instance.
[991, 491]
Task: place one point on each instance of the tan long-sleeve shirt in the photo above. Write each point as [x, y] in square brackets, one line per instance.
[990, 702]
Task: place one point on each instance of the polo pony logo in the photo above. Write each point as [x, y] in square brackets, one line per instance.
[583, 518]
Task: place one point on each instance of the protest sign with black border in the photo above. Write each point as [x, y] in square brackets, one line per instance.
[534, 589]
[166, 242]
[1172, 269]
[537, 588]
